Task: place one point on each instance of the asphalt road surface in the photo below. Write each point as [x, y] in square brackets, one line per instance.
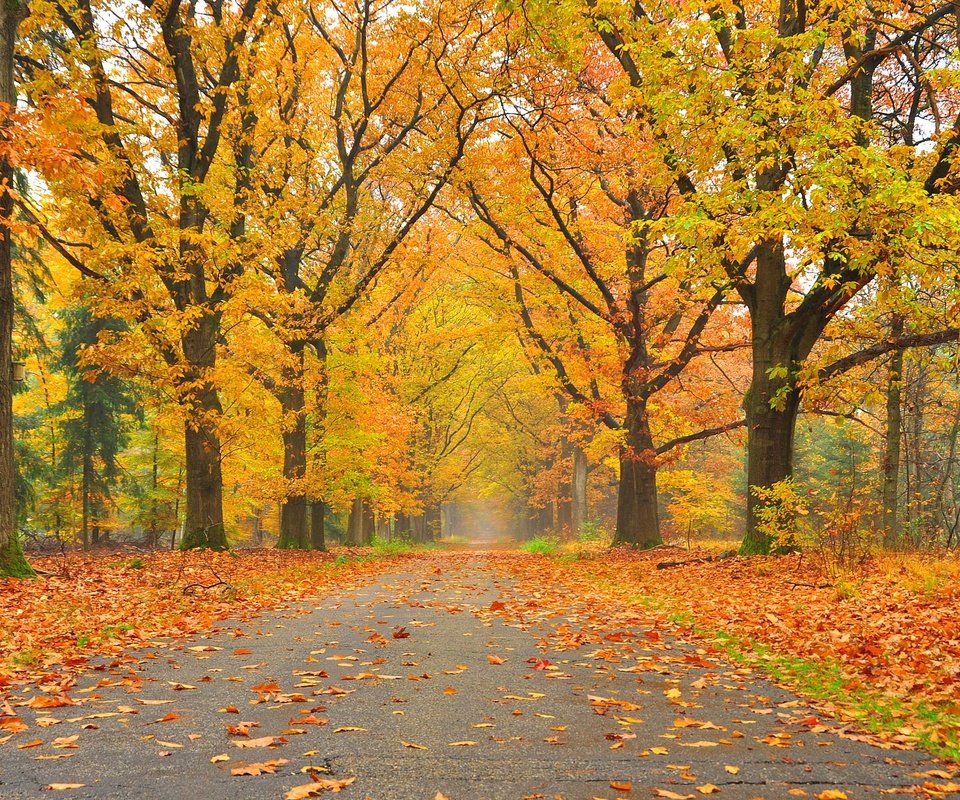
[426, 685]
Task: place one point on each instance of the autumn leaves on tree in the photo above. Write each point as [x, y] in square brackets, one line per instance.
[639, 232]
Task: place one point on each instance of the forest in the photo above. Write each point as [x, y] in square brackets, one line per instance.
[479, 400]
[296, 273]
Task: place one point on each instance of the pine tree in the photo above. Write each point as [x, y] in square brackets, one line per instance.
[96, 433]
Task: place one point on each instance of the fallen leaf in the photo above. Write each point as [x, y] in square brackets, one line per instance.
[316, 787]
[708, 788]
[496, 659]
[263, 741]
[31, 743]
[59, 787]
[413, 746]
[260, 768]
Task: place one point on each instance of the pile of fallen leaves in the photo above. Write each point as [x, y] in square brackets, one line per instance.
[884, 635]
[83, 605]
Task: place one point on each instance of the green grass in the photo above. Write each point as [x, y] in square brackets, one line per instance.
[540, 544]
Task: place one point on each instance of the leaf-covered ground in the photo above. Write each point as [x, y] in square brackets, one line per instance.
[87, 605]
[881, 645]
[447, 676]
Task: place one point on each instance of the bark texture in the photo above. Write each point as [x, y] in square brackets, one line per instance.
[12, 562]
[638, 517]
[204, 478]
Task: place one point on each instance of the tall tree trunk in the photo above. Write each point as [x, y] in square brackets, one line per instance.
[891, 456]
[564, 503]
[355, 523]
[293, 513]
[771, 405]
[578, 491]
[85, 498]
[418, 528]
[318, 540]
[204, 478]
[638, 517]
[432, 522]
[367, 523]
[12, 562]
[154, 502]
[781, 342]
[401, 526]
[544, 519]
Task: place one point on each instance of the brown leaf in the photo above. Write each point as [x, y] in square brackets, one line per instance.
[47, 701]
[260, 768]
[413, 746]
[31, 743]
[263, 741]
[315, 788]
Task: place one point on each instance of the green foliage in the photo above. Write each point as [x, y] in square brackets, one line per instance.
[393, 547]
[544, 545]
[593, 531]
[100, 410]
[781, 510]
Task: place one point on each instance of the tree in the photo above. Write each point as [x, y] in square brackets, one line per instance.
[800, 195]
[361, 159]
[578, 231]
[100, 409]
[155, 143]
[12, 562]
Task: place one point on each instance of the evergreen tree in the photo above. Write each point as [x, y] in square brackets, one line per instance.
[96, 431]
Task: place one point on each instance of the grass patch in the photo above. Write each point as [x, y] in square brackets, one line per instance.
[542, 545]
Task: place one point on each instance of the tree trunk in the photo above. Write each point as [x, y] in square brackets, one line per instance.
[544, 519]
[638, 517]
[367, 523]
[891, 456]
[578, 490]
[12, 562]
[418, 528]
[85, 497]
[564, 506]
[361, 524]
[401, 526]
[770, 434]
[432, 522]
[318, 540]
[154, 533]
[204, 515]
[293, 512]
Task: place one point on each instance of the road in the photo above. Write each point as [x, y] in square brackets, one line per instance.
[438, 683]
